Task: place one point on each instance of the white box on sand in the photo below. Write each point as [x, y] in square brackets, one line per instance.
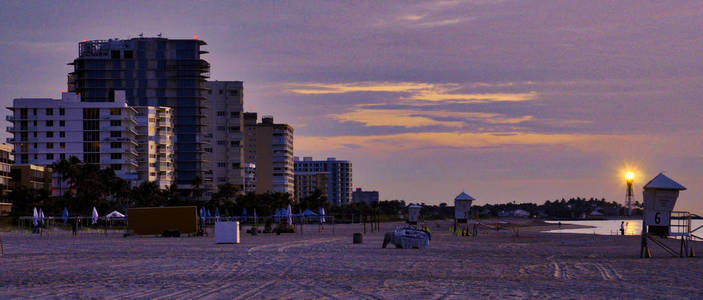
[227, 232]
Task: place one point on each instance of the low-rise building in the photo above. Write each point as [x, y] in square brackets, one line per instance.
[5, 167]
[32, 176]
[368, 197]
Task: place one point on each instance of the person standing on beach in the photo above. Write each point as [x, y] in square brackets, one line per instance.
[622, 228]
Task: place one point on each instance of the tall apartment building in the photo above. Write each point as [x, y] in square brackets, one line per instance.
[339, 172]
[306, 183]
[223, 137]
[6, 161]
[152, 71]
[270, 147]
[155, 145]
[46, 130]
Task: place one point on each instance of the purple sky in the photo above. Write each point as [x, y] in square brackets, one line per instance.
[508, 100]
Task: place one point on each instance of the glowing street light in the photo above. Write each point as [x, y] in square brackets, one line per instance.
[629, 178]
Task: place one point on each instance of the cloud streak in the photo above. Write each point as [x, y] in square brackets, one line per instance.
[417, 91]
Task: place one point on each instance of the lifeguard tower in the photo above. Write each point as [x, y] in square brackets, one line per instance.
[660, 195]
[413, 214]
[462, 209]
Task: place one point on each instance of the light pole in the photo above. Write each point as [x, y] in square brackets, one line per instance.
[629, 178]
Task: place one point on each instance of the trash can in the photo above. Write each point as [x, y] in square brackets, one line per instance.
[358, 238]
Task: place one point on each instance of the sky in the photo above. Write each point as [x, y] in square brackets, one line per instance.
[520, 101]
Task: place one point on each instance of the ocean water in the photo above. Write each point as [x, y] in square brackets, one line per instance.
[612, 227]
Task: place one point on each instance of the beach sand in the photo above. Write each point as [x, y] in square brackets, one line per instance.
[496, 264]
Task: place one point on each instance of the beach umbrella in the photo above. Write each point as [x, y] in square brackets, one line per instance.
[254, 215]
[207, 213]
[65, 215]
[290, 216]
[35, 217]
[217, 212]
[41, 216]
[322, 215]
[95, 216]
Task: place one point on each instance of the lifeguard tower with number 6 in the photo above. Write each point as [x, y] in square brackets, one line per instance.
[660, 220]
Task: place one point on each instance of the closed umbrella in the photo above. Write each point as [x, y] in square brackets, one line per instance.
[290, 216]
[322, 215]
[255, 216]
[65, 215]
[95, 216]
[41, 217]
[217, 212]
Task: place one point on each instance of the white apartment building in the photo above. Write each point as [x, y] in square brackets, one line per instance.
[223, 134]
[46, 130]
[155, 145]
[339, 177]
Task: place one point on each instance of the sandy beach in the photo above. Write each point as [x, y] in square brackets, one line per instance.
[315, 264]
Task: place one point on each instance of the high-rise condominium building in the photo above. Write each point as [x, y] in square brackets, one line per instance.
[46, 130]
[155, 145]
[270, 147]
[339, 172]
[153, 72]
[223, 134]
[307, 183]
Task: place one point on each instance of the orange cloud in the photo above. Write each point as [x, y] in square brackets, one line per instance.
[417, 91]
[411, 118]
[423, 140]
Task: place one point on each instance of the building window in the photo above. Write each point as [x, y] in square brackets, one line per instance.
[233, 92]
[236, 166]
[116, 123]
[91, 113]
[220, 128]
[62, 145]
[34, 111]
[62, 123]
[50, 123]
[220, 92]
[221, 113]
[49, 145]
[233, 128]
[62, 155]
[115, 134]
[128, 54]
[49, 134]
[34, 134]
[234, 143]
[50, 156]
[115, 155]
[62, 134]
[208, 150]
[234, 114]
[115, 111]
[62, 111]
[49, 111]
[220, 143]
[115, 145]
[221, 164]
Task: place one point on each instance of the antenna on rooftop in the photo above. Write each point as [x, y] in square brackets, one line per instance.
[159, 35]
[141, 35]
